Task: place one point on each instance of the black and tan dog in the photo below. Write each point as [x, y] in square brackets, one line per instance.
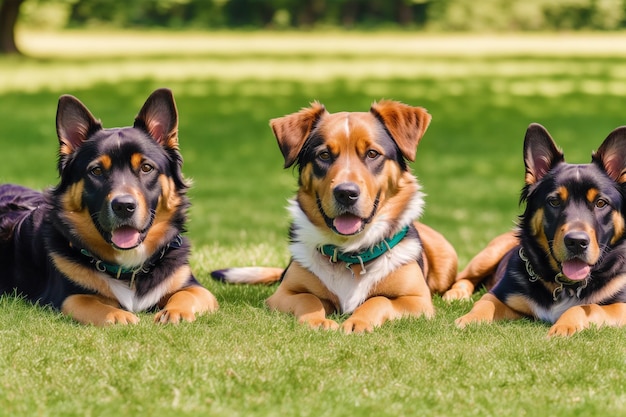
[106, 241]
[567, 262]
[354, 246]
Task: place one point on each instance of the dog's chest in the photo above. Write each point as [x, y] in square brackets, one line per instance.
[552, 312]
[353, 288]
[127, 295]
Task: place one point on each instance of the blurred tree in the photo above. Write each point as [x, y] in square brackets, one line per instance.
[442, 15]
[248, 13]
[9, 12]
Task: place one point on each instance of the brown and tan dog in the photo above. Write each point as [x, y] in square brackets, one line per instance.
[354, 244]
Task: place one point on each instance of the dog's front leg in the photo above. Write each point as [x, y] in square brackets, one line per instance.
[302, 294]
[482, 266]
[578, 318]
[184, 304]
[403, 292]
[377, 310]
[307, 308]
[486, 310]
[96, 310]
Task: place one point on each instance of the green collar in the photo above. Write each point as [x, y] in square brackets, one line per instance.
[126, 273]
[351, 258]
[114, 269]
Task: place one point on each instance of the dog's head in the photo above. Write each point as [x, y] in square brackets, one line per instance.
[574, 212]
[121, 193]
[352, 166]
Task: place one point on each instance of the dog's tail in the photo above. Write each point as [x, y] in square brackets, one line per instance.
[248, 275]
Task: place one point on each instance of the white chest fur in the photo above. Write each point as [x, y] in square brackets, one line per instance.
[552, 314]
[353, 289]
[127, 296]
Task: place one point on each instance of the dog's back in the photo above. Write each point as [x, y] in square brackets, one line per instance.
[22, 212]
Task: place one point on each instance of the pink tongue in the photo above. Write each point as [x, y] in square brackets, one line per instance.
[575, 269]
[347, 224]
[125, 237]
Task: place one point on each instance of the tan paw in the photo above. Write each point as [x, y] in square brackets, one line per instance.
[468, 319]
[174, 316]
[324, 324]
[118, 316]
[564, 329]
[457, 294]
[357, 326]
[212, 304]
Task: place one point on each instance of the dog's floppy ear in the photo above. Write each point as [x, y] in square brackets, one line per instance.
[611, 156]
[291, 131]
[540, 153]
[75, 124]
[159, 118]
[406, 124]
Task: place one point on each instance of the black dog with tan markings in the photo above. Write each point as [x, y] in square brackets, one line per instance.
[567, 264]
[106, 241]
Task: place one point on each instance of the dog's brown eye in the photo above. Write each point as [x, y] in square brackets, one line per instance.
[554, 201]
[372, 154]
[601, 203]
[146, 168]
[324, 155]
[96, 171]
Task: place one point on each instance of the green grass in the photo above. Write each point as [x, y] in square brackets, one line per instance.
[247, 361]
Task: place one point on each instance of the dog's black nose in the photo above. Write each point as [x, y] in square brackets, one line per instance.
[576, 242]
[347, 193]
[123, 206]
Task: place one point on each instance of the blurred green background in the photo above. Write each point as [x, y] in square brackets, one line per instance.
[456, 15]
[235, 64]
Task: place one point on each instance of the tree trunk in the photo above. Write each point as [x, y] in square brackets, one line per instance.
[404, 13]
[9, 12]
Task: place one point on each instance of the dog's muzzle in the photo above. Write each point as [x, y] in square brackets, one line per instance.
[124, 233]
[347, 194]
[349, 221]
[575, 268]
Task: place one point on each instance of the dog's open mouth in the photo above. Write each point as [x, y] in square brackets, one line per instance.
[575, 269]
[347, 224]
[126, 237]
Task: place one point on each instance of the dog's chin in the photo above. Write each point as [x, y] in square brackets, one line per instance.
[125, 238]
[348, 224]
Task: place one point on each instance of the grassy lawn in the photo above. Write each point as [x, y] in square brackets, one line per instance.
[244, 360]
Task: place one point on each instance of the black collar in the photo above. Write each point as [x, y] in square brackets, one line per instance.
[559, 278]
